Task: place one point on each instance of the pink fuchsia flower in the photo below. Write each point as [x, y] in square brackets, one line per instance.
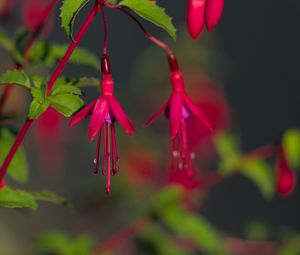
[104, 112]
[213, 13]
[286, 178]
[178, 108]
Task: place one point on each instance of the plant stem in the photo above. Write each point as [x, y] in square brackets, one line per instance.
[14, 148]
[104, 49]
[152, 38]
[50, 84]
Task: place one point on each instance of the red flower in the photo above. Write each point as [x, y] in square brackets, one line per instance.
[178, 109]
[286, 179]
[203, 12]
[104, 112]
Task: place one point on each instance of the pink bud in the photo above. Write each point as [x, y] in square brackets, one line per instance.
[286, 179]
[195, 17]
[213, 13]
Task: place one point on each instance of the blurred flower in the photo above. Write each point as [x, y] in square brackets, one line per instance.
[49, 134]
[32, 12]
[104, 111]
[286, 178]
[178, 109]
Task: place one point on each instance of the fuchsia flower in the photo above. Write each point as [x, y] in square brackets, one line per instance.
[201, 13]
[104, 112]
[286, 178]
[178, 109]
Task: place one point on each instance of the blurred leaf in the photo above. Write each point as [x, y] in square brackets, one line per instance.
[37, 108]
[291, 146]
[16, 199]
[256, 230]
[46, 195]
[291, 246]
[151, 12]
[61, 244]
[160, 242]
[69, 11]
[183, 223]
[49, 54]
[18, 169]
[227, 146]
[15, 77]
[5, 41]
[262, 174]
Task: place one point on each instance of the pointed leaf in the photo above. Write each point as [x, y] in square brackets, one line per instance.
[291, 147]
[69, 11]
[46, 195]
[16, 77]
[37, 108]
[16, 199]
[66, 104]
[150, 11]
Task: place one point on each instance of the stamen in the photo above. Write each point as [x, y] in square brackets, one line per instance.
[186, 151]
[96, 159]
[115, 157]
[107, 155]
[106, 141]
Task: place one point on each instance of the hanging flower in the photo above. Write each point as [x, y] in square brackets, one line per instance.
[104, 112]
[178, 109]
[286, 178]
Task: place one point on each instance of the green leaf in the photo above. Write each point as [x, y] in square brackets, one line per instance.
[49, 54]
[16, 77]
[37, 108]
[262, 174]
[49, 196]
[291, 246]
[291, 146]
[16, 199]
[66, 104]
[257, 230]
[151, 12]
[57, 242]
[227, 146]
[69, 11]
[18, 169]
[5, 41]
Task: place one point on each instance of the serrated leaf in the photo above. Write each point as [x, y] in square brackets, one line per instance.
[66, 104]
[261, 174]
[49, 54]
[18, 168]
[16, 77]
[151, 12]
[291, 147]
[16, 199]
[37, 108]
[69, 10]
[46, 195]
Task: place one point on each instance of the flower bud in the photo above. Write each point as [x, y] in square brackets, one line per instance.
[213, 13]
[195, 17]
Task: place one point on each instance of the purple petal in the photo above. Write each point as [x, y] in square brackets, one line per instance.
[196, 111]
[97, 119]
[176, 110]
[121, 116]
[82, 114]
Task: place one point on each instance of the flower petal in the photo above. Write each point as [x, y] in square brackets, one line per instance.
[121, 116]
[196, 111]
[97, 119]
[176, 110]
[82, 114]
[155, 115]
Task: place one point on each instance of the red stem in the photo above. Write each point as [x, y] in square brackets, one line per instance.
[104, 50]
[152, 38]
[15, 147]
[50, 84]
